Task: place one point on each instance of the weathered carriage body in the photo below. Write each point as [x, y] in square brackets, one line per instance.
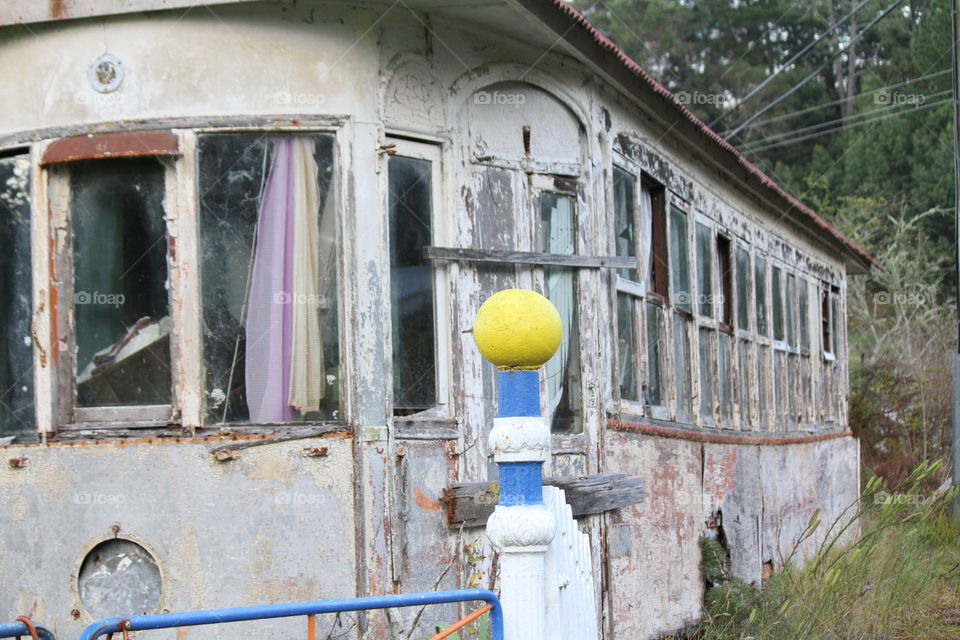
[460, 148]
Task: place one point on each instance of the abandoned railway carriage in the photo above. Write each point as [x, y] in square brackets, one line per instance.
[242, 247]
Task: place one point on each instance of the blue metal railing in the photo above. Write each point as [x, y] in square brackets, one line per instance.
[17, 628]
[291, 609]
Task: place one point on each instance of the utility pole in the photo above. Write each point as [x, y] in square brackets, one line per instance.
[954, 39]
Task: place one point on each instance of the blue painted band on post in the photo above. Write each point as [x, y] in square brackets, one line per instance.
[518, 393]
[521, 483]
[288, 609]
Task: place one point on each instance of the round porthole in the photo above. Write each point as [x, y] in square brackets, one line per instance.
[118, 577]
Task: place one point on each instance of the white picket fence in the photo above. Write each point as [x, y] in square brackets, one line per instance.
[571, 599]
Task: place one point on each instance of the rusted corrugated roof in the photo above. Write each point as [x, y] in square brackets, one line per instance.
[791, 202]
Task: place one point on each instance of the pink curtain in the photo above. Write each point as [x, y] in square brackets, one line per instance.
[269, 316]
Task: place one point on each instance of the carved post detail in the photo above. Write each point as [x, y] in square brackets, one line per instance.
[518, 330]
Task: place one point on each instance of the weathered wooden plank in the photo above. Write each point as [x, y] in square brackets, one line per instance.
[527, 257]
[471, 503]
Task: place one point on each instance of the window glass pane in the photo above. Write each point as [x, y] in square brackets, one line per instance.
[16, 287]
[835, 323]
[760, 283]
[743, 383]
[804, 319]
[791, 307]
[724, 374]
[706, 372]
[743, 289]
[623, 202]
[558, 235]
[777, 300]
[121, 305]
[780, 386]
[679, 262]
[254, 279]
[792, 378]
[763, 386]
[411, 285]
[654, 369]
[657, 276]
[625, 347]
[704, 272]
[825, 339]
[681, 362]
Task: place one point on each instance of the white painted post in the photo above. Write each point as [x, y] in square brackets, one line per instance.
[518, 331]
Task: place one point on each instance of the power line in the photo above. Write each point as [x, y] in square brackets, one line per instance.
[786, 65]
[845, 121]
[811, 136]
[791, 114]
[816, 71]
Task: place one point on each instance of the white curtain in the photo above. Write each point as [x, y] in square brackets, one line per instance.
[560, 291]
[306, 364]
[646, 234]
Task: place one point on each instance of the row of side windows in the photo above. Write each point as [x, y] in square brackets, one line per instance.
[267, 240]
[748, 317]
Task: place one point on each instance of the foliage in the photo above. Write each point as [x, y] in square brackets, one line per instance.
[896, 579]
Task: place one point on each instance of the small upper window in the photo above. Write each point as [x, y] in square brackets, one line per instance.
[804, 316]
[657, 276]
[704, 272]
[725, 277]
[776, 285]
[760, 288]
[743, 289]
[679, 261]
[624, 185]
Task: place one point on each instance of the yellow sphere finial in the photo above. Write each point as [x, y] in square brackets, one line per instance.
[517, 329]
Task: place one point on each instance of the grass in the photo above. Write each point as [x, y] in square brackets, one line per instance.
[889, 569]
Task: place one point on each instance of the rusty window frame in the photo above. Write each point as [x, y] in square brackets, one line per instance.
[55, 160]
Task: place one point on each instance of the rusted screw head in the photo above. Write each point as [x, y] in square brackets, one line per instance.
[75, 614]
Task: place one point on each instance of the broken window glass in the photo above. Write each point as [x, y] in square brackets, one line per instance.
[658, 271]
[679, 261]
[121, 305]
[743, 289]
[625, 347]
[411, 285]
[706, 372]
[263, 290]
[760, 285]
[704, 272]
[681, 363]
[792, 379]
[558, 235]
[654, 395]
[725, 279]
[777, 301]
[624, 185]
[16, 292]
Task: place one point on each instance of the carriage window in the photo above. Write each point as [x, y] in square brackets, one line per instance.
[743, 289]
[411, 284]
[16, 284]
[776, 285]
[562, 370]
[268, 278]
[704, 272]
[679, 261]
[121, 304]
[760, 287]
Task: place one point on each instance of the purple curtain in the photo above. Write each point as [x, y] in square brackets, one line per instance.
[269, 310]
